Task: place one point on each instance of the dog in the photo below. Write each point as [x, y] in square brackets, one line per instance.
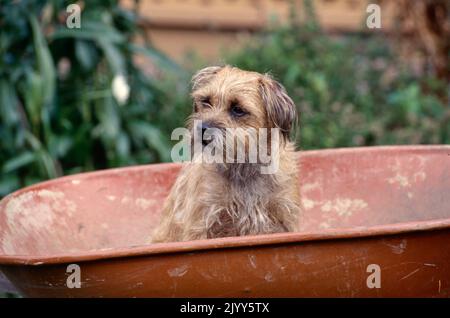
[212, 200]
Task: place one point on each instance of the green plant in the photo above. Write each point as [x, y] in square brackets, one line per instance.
[350, 91]
[58, 111]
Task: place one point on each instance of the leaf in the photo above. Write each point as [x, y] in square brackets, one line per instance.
[123, 145]
[48, 163]
[86, 54]
[114, 57]
[59, 145]
[44, 61]
[153, 137]
[42, 155]
[90, 31]
[109, 118]
[8, 103]
[21, 160]
[34, 98]
[8, 184]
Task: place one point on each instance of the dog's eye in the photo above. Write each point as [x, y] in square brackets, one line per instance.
[237, 111]
[205, 101]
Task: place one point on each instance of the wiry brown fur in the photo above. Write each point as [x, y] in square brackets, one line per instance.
[218, 200]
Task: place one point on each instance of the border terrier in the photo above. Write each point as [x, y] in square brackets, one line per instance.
[212, 199]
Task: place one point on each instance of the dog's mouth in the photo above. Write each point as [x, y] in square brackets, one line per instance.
[214, 139]
[208, 133]
[207, 138]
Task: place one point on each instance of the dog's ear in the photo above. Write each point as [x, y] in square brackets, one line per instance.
[281, 111]
[204, 76]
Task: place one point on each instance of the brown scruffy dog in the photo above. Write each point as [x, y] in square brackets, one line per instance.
[210, 200]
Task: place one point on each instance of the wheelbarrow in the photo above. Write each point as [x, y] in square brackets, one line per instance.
[375, 223]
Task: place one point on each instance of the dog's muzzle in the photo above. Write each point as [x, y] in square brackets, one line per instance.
[207, 137]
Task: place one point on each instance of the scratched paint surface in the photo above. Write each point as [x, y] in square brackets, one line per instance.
[341, 189]
[119, 208]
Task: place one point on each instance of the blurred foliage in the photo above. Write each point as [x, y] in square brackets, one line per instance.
[352, 91]
[58, 113]
[9, 295]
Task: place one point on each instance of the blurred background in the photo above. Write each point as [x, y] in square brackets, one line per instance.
[110, 92]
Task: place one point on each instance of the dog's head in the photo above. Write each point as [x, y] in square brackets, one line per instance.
[227, 97]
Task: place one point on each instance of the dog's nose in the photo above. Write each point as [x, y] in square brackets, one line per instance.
[205, 126]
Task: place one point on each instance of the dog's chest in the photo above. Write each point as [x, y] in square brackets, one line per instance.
[235, 210]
